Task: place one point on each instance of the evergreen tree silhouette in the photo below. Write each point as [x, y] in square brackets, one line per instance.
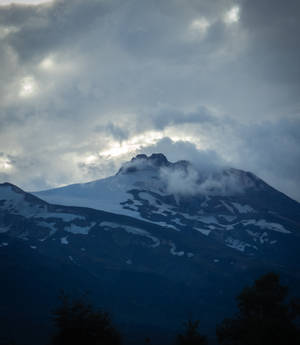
[78, 323]
[264, 317]
[191, 336]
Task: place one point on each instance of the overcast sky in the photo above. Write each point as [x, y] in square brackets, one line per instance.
[87, 84]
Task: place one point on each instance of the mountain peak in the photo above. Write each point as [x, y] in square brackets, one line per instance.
[142, 162]
[157, 159]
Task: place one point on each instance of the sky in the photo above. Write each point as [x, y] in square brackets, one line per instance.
[85, 85]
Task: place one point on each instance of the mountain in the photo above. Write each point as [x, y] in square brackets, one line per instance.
[228, 205]
[155, 244]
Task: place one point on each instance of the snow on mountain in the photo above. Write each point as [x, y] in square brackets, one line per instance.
[155, 183]
[28, 218]
[18, 207]
[225, 204]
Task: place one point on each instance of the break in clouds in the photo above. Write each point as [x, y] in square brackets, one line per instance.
[85, 85]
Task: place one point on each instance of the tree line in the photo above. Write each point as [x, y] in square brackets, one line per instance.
[265, 317]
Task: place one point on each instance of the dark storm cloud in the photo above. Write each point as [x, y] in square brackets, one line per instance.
[170, 116]
[117, 132]
[156, 29]
[46, 27]
[204, 159]
[100, 168]
[274, 149]
[86, 84]
[274, 47]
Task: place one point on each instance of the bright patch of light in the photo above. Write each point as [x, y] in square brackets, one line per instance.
[133, 144]
[90, 159]
[232, 16]
[28, 87]
[6, 30]
[5, 164]
[146, 139]
[47, 63]
[200, 25]
[198, 28]
[23, 2]
[118, 150]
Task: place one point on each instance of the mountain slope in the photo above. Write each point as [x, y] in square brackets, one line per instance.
[148, 276]
[191, 243]
[229, 205]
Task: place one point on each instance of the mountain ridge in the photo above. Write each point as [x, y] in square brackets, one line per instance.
[169, 194]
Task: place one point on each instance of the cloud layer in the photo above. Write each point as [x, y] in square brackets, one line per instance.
[191, 182]
[87, 84]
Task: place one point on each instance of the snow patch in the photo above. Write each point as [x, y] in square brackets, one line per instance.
[134, 231]
[77, 229]
[64, 240]
[243, 208]
[188, 216]
[109, 225]
[66, 217]
[205, 232]
[263, 224]
[139, 232]
[4, 229]
[173, 250]
[208, 220]
[258, 236]
[236, 244]
[177, 221]
[167, 225]
[227, 218]
[205, 202]
[228, 207]
[148, 197]
[263, 238]
[51, 226]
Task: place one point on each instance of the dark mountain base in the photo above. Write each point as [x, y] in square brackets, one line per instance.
[142, 304]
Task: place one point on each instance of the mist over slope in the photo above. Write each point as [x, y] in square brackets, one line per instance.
[155, 173]
[230, 205]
